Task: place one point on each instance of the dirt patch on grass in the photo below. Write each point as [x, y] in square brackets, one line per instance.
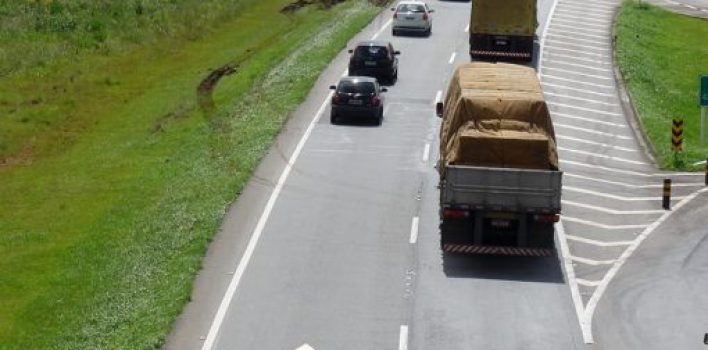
[205, 89]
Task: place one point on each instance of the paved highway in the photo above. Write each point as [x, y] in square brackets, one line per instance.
[341, 251]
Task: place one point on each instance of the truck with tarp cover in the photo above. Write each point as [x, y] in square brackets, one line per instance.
[503, 29]
[500, 187]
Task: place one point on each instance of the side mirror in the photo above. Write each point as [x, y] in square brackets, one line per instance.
[383, 89]
[393, 9]
[333, 87]
[350, 51]
[397, 52]
[439, 109]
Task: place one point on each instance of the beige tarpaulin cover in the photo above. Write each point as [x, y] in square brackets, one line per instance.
[495, 115]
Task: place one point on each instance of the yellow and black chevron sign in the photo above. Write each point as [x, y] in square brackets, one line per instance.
[677, 135]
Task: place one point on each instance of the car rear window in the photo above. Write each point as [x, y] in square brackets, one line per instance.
[411, 8]
[349, 87]
[371, 52]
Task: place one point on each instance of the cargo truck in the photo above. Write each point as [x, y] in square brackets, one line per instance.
[500, 187]
[502, 30]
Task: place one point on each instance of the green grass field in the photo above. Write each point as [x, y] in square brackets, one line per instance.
[661, 56]
[114, 181]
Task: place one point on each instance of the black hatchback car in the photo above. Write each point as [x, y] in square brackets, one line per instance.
[357, 97]
[374, 59]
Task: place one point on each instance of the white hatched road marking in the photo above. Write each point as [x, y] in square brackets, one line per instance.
[580, 48]
[601, 86]
[590, 41]
[603, 156]
[586, 283]
[591, 131]
[592, 262]
[589, 120]
[597, 21]
[593, 110]
[598, 243]
[588, 100]
[584, 75]
[586, 53]
[572, 282]
[597, 27]
[585, 91]
[607, 10]
[629, 172]
[615, 197]
[612, 211]
[594, 143]
[628, 185]
[583, 66]
[601, 225]
[569, 29]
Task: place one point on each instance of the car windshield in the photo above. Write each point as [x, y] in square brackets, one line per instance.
[411, 8]
[361, 87]
[371, 52]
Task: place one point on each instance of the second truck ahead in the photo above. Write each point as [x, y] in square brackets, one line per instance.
[503, 29]
[500, 188]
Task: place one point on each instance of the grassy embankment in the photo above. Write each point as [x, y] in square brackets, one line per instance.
[113, 180]
[661, 56]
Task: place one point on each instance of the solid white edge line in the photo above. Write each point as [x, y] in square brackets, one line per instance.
[602, 287]
[452, 58]
[382, 29]
[255, 236]
[426, 153]
[572, 283]
[542, 44]
[414, 230]
[403, 338]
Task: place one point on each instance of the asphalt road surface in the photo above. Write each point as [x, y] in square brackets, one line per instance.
[341, 251]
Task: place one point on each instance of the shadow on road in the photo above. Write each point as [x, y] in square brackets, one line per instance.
[516, 268]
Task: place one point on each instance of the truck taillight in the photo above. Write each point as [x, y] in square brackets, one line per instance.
[449, 213]
[546, 218]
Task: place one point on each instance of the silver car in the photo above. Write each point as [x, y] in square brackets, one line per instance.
[412, 16]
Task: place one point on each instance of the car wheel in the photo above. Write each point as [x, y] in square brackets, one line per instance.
[394, 32]
[333, 119]
[430, 31]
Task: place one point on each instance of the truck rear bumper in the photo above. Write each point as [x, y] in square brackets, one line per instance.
[496, 250]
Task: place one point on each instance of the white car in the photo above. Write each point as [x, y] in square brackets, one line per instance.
[413, 16]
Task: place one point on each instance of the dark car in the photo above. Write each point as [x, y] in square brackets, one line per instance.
[357, 97]
[374, 59]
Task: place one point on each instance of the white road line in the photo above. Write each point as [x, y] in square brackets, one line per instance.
[584, 19]
[438, 97]
[426, 153]
[598, 243]
[452, 58]
[691, 7]
[584, 91]
[382, 29]
[544, 35]
[603, 156]
[588, 100]
[569, 29]
[594, 143]
[260, 225]
[595, 298]
[572, 282]
[575, 81]
[467, 29]
[586, 283]
[590, 131]
[615, 197]
[403, 338]
[591, 261]
[592, 110]
[414, 230]
[305, 347]
[611, 211]
[583, 66]
[575, 22]
[575, 38]
[589, 120]
[601, 225]
[628, 185]
[586, 15]
[580, 47]
[581, 52]
[606, 10]
[585, 75]
[629, 172]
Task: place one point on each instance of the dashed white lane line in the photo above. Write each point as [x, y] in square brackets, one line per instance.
[601, 225]
[584, 75]
[575, 82]
[403, 338]
[583, 99]
[584, 91]
[612, 211]
[414, 230]
[600, 291]
[598, 243]
[595, 155]
[467, 29]
[572, 281]
[452, 58]
[616, 197]
[592, 110]
[590, 131]
[591, 261]
[628, 185]
[438, 97]
[587, 283]
[426, 153]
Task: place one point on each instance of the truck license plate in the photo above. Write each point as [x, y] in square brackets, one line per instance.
[501, 42]
[370, 63]
[499, 223]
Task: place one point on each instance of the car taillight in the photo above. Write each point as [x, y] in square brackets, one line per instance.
[449, 213]
[375, 101]
[336, 99]
[425, 16]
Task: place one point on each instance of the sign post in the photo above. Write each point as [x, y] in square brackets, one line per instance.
[703, 102]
